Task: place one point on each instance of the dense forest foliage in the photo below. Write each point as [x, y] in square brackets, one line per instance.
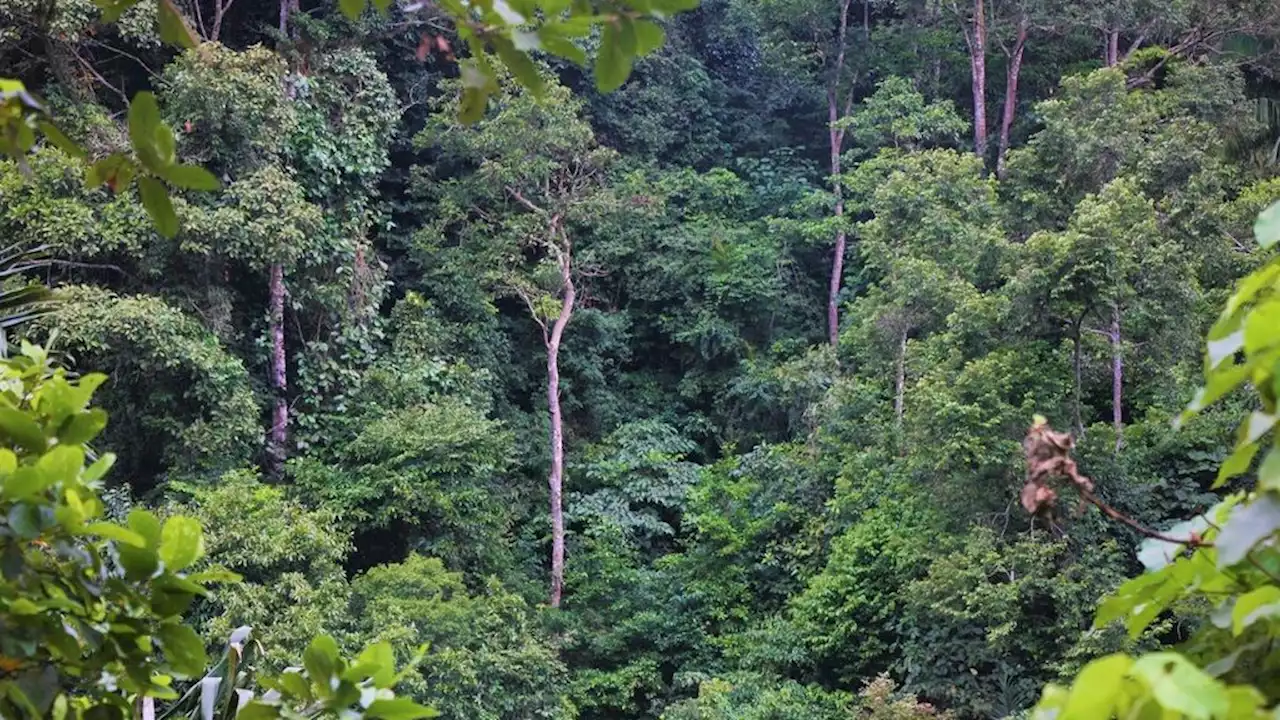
[699, 399]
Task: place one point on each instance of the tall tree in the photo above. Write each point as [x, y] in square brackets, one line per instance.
[534, 177]
[812, 35]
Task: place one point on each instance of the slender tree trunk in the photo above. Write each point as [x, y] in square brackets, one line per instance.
[900, 380]
[835, 137]
[1075, 368]
[1011, 94]
[837, 254]
[1113, 48]
[1117, 375]
[978, 71]
[279, 436]
[555, 479]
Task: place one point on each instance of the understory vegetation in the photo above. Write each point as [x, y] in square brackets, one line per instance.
[850, 359]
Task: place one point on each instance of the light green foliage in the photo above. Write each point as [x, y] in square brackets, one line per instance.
[50, 205]
[637, 479]
[1097, 130]
[75, 22]
[847, 616]
[346, 117]
[261, 219]
[429, 471]
[290, 558]
[83, 598]
[753, 698]
[176, 389]
[234, 101]
[989, 621]
[897, 115]
[486, 658]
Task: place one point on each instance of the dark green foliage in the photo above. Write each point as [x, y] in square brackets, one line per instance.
[487, 659]
[760, 522]
[175, 389]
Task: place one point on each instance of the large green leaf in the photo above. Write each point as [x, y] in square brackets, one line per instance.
[181, 542]
[156, 200]
[1266, 229]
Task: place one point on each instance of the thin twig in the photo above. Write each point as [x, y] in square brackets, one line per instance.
[1114, 514]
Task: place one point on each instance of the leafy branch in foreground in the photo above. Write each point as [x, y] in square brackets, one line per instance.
[1229, 560]
[91, 610]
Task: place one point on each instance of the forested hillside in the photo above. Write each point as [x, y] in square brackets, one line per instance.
[701, 398]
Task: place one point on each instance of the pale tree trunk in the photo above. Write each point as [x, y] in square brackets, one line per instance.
[1117, 374]
[835, 137]
[900, 381]
[279, 436]
[977, 40]
[1075, 368]
[1113, 48]
[555, 479]
[1011, 94]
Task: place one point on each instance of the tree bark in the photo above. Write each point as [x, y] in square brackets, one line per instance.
[555, 480]
[1117, 375]
[1113, 48]
[900, 381]
[1075, 367]
[835, 137]
[279, 435]
[1011, 94]
[978, 70]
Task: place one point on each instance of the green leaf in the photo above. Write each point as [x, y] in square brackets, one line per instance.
[1266, 229]
[173, 27]
[156, 200]
[183, 648]
[61, 141]
[26, 482]
[83, 427]
[181, 542]
[1236, 463]
[1253, 606]
[23, 606]
[520, 64]
[146, 524]
[258, 710]
[473, 104]
[113, 9]
[294, 685]
[26, 520]
[62, 464]
[215, 575]
[111, 531]
[18, 427]
[1179, 686]
[1219, 350]
[1245, 527]
[1269, 471]
[399, 709]
[352, 8]
[649, 37]
[321, 660]
[8, 461]
[382, 5]
[380, 660]
[99, 468]
[613, 65]
[1093, 694]
[671, 7]
[144, 118]
[561, 46]
[191, 177]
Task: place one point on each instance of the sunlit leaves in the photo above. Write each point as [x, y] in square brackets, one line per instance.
[173, 27]
[1266, 229]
